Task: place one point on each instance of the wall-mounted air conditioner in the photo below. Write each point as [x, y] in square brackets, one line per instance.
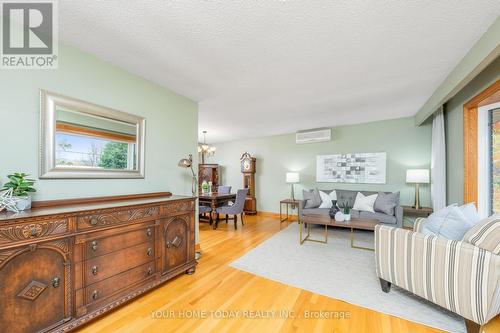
[312, 136]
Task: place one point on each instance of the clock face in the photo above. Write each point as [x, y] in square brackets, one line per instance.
[246, 165]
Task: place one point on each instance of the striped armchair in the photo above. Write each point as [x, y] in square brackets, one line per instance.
[456, 275]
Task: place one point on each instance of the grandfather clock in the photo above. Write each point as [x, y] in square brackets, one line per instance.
[248, 170]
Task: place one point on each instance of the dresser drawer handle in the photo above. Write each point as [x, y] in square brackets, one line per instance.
[94, 245]
[150, 271]
[93, 221]
[95, 294]
[34, 232]
[149, 252]
[94, 270]
[149, 232]
[55, 282]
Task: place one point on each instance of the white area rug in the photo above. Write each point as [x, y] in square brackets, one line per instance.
[338, 271]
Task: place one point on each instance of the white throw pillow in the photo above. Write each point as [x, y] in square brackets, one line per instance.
[365, 202]
[470, 213]
[449, 223]
[326, 199]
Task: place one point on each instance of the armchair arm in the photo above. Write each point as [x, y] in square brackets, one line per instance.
[453, 274]
[419, 224]
[302, 204]
[398, 212]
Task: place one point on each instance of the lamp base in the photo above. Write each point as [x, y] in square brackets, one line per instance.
[417, 197]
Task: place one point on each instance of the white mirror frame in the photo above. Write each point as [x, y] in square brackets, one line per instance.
[48, 169]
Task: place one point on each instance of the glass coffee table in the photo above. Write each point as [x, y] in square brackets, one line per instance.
[325, 220]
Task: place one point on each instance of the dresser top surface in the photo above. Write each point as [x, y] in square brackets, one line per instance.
[6, 217]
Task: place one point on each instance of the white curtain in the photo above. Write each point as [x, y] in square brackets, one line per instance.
[438, 161]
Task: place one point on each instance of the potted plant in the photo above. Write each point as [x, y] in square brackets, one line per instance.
[21, 188]
[204, 187]
[347, 213]
[344, 207]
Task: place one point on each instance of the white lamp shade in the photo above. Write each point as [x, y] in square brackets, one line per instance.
[292, 177]
[420, 176]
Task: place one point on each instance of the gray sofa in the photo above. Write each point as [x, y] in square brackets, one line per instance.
[395, 220]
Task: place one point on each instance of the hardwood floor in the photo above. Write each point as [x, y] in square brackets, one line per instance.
[217, 287]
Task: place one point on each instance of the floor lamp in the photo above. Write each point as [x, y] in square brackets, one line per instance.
[188, 164]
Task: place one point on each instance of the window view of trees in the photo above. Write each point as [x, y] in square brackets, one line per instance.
[83, 151]
[114, 156]
[495, 160]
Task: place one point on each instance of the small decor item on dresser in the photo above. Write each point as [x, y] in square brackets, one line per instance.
[8, 202]
[334, 210]
[20, 187]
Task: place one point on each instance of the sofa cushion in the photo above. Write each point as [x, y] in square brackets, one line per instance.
[384, 218]
[312, 198]
[485, 234]
[449, 222]
[326, 199]
[386, 202]
[346, 197]
[365, 202]
[321, 211]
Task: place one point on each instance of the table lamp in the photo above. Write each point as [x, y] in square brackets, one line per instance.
[417, 177]
[292, 178]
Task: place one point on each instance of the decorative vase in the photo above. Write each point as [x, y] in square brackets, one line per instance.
[334, 209]
[347, 217]
[23, 203]
[339, 217]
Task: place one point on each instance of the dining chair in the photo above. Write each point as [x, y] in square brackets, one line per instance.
[235, 210]
[224, 189]
[202, 210]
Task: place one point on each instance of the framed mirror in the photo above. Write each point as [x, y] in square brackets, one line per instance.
[83, 140]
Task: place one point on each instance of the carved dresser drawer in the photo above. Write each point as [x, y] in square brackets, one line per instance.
[32, 230]
[100, 268]
[177, 208]
[116, 217]
[101, 246]
[109, 287]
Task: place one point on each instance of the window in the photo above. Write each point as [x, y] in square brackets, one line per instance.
[488, 160]
[494, 129]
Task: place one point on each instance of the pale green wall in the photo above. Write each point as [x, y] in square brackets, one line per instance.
[407, 146]
[171, 124]
[455, 133]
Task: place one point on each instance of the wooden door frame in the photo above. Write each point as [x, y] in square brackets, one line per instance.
[485, 97]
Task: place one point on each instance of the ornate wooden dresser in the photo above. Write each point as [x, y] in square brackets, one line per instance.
[61, 266]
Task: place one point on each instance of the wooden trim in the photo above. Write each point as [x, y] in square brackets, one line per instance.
[470, 140]
[97, 200]
[197, 248]
[68, 128]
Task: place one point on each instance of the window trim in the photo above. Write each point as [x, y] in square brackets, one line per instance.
[470, 115]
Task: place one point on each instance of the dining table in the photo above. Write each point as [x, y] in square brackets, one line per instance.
[215, 200]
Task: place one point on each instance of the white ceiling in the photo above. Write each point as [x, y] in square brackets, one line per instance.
[264, 67]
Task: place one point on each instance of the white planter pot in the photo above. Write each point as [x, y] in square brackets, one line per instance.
[347, 217]
[23, 203]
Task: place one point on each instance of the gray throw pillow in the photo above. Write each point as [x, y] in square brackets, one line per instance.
[312, 198]
[386, 202]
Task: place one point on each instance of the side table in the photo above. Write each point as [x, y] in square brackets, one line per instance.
[287, 203]
[412, 211]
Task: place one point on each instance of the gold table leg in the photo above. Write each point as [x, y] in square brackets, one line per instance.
[308, 237]
[358, 247]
